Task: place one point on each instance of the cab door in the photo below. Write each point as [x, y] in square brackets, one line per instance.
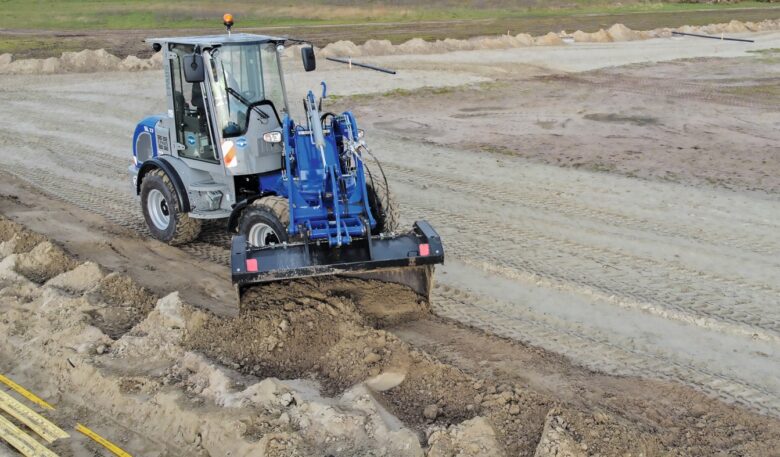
[194, 140]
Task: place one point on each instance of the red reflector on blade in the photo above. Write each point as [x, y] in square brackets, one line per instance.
[425, 249]
[251, 265]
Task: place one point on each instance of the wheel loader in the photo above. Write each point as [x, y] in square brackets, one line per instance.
[301, 198]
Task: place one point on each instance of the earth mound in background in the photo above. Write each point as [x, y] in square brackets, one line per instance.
[91, 61]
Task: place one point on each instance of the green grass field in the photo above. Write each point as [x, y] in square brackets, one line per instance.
[156, 14]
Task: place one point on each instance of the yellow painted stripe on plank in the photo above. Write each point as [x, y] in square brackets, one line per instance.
[25, 393]
[102, 441]
[23, 443]
[30, 418]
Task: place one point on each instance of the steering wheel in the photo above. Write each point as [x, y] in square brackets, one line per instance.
[262, 103]
[232, 131]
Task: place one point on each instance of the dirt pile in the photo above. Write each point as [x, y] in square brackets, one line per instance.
[324, 335]
[620, 32]
[86, 61]
[305, 370]
[551, 39]
[90, 61]
[596, 37]
[123, 346]
[557, 440]
[617, 32]
[129, 304]
[471, 438]
[141, 374]
[128, 354]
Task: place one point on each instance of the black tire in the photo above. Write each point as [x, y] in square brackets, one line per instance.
[179, 228]
[265, 213]
[380, 200]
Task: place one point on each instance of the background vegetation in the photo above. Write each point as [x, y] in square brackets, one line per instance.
[46, 28]
[157, 14]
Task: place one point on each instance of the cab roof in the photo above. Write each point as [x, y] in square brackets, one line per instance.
[214, 40]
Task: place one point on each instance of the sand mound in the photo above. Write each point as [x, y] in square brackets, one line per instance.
[377, 48]
[471, 438]
[617, 32]
[413, 46]
[16, 239]
[524, 39]
[86, 61]
[32, 66]
[551, 39]
[43, 262]
[162, 391]
[596, 37]
[557, 440]
[735, 27]
[128, 304]
[78, 280]
[325, 335]
[341, 48]
[620, 32]
[133, 63]
[89, 61]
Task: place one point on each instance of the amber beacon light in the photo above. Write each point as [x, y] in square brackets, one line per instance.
[227, 19]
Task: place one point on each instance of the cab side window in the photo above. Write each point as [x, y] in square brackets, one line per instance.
[190, 111]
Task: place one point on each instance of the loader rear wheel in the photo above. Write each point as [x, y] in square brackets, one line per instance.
[380, 200]
[264, 223]
[160, 205]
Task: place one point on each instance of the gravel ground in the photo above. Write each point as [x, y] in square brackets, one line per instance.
[624, 268]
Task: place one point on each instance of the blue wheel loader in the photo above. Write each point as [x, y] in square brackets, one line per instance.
[301, 199]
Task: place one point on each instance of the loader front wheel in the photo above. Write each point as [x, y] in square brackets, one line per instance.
[381, 201]
[264, 223]
[160, 206]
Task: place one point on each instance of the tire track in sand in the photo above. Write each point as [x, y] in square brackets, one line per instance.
[491, 315]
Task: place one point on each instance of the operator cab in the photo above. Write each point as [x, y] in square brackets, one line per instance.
[225, 93]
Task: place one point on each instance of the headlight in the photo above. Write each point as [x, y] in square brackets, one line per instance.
[361, 134]
[272, 137]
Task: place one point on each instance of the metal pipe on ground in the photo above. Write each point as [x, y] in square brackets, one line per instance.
[358, 64]
[722, 38]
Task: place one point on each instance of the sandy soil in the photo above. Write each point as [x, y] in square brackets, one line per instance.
[704, 122]
[551, 267]
[160, 377]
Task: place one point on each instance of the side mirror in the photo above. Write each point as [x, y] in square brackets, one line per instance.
[194, 71]
[307, 54]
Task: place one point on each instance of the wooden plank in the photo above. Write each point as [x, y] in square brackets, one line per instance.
[30, 418]
[23, 442]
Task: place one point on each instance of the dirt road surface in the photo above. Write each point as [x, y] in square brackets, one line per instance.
[625, 218]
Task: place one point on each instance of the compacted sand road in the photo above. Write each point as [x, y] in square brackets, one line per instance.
[624, 275]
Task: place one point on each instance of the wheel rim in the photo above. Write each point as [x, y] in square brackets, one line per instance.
[261, 235]
[158, 209]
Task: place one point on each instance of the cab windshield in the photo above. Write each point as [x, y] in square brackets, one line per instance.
[242, 76]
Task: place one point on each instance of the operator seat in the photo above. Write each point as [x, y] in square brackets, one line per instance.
[197, 103]
[178, 105]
